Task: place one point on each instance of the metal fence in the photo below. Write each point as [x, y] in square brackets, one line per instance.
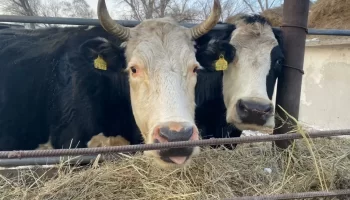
[95, 22]
[41, 157]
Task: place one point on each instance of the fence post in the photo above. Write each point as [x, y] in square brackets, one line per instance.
[294, 29]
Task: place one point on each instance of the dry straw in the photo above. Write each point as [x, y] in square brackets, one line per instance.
[330, 14]
[274, 16]
[251, 169]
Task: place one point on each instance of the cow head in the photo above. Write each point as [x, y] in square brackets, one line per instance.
[249, 81]
[162, 67]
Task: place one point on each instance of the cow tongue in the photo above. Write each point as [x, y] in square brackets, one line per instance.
[178, 160]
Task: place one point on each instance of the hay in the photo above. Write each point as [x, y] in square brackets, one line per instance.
[326, 14]
[251, 169]
[274, 16]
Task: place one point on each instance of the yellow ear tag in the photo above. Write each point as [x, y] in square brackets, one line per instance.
[221, 64]
[99, 63]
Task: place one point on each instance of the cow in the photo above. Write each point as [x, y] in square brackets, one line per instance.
[238, 98]
[147, 74]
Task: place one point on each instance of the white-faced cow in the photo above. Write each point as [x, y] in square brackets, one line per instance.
[238, 98]
[49, 88]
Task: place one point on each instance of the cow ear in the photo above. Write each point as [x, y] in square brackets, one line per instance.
[103, 55]
[215, 55]
[90, 48]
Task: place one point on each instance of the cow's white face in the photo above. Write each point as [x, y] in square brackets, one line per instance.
[162, 70]
[162, 73]
[244, 83]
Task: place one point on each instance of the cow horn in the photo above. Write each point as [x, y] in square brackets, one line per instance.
[123, 33]
[209, 23]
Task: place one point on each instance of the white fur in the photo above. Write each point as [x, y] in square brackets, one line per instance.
[246, 76]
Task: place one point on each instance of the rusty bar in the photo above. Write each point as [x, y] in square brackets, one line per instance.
[167, 145]
[294, 29]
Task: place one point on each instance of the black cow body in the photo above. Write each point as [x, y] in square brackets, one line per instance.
[50, 88]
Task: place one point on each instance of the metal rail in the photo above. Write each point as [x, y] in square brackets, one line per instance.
[297, 195]
[95, 22]
[48, 161]
[159, 146]
[77, 21]
[337, 32]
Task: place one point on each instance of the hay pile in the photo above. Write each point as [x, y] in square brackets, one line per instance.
[274, 15]
[252, 169]
[326, 14]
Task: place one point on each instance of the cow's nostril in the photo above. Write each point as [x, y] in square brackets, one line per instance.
[241, 105]
[268, 109]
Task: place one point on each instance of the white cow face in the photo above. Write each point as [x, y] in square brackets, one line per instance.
[247, 82]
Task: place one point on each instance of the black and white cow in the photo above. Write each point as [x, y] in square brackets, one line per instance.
[49, 88]
[238, 98]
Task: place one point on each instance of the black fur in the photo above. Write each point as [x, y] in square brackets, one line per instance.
[251, 19]
[49, 87]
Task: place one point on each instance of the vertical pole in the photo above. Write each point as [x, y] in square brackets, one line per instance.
[294, 29]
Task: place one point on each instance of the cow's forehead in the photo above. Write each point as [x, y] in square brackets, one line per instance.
[164, 30]
[160, 40]
[253, 36]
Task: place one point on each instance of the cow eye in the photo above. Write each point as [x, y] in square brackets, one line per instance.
[133, 70]
[279, 62]
[195, 69]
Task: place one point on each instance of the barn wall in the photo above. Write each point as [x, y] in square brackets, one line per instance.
[325, 97]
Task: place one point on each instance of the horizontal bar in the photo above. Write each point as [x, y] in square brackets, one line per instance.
[337, 32]
[302, 195]
[127, 23]
[81, 160]
[47, 161]
[78, 21]
[160, 146]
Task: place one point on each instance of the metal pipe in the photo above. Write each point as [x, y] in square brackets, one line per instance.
[337, 32]
[54, 160]
[47, 161]
[78, 21]
[302, 195]
[159, 146]
[127, 23]
[295, 17]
